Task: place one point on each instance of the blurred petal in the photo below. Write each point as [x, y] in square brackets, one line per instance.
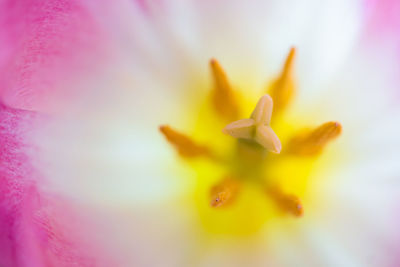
[46, 48]
[37, 229]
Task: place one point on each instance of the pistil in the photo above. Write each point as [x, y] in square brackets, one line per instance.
[257, 127]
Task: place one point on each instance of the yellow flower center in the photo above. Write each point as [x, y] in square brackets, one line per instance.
[247, 175]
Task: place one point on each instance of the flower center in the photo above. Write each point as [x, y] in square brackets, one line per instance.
[246, 175]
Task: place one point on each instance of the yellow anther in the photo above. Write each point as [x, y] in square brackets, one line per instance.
[224, 193]
[257, 127]
[185, 146]
[283, 88]
[286, 202]
[223, 96]
[312, 143]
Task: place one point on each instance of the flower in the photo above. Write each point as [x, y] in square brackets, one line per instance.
[87, 180]
[249, 161]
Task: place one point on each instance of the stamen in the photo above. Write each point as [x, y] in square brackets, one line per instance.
[312, 143]
[224, 193]
[282, 89]
[257, 127]
[286, 202]
[223, 96]
[185, 146]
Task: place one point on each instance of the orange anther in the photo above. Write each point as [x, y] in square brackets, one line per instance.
[283, 88]
[312, 143]
[223, 96]
[185, 146]
[224, 192]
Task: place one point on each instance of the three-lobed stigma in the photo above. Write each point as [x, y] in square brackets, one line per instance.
[257, 127]
[250, 162]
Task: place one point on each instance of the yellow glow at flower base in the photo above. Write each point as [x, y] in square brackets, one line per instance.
[240, 184]
[254, 207]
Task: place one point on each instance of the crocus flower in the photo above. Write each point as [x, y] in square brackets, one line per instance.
[199, 133]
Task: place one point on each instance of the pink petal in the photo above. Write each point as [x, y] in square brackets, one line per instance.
[382, 35]
[384, 16]
[45, 47]
[37, 229]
